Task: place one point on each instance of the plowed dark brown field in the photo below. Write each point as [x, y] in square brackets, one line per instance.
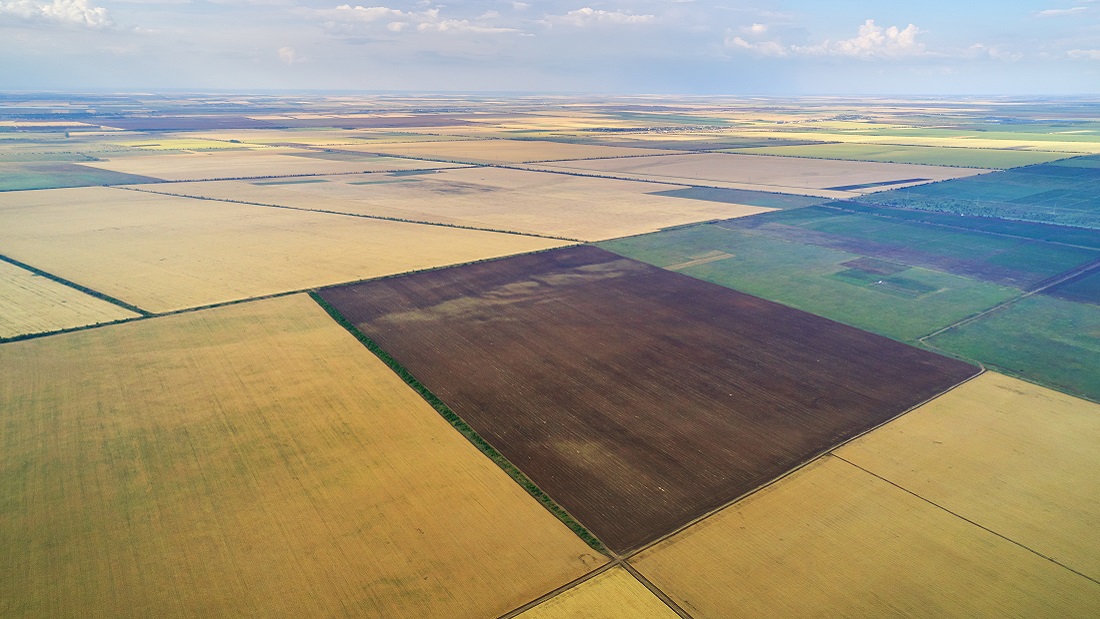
[637, 398]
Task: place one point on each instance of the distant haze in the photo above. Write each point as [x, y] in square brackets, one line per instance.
[782, 47]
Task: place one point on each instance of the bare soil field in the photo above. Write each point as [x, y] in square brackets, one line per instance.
[163, 253]
[831, 540]
[265, 162]
[506, 151]
[614, 594]
[1012, 456]
[782, 174]
[252, 460]
[557, 205]
[31, 303]
[637, 398]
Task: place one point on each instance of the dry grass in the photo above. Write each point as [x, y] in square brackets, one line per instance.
[782, 174]
[614, 594]
[834, 541]
[31, 303]
[251, 461]
[1009, 455]
[264, 162]
[162, 253]
[504, 151]
[559, 205]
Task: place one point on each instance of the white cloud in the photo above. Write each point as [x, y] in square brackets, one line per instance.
[1056, 12]
[992, 51]
[520, 6]
[871, 41]
[589, 16]
[757, 29]
[1088, 54]
[428, 20]
[460, 25]
[69, 12]
[288, 55]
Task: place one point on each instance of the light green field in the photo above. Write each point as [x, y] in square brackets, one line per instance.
[929, 155]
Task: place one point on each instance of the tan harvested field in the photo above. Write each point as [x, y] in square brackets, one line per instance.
[832, 540]
[252, 460]
[260, 163]
[542, 203]
[1014, 457]
[163, 253]
[614, 594]
[313, 137]
[782, 174]
[504, 151]
[963, 141]
[31, 303]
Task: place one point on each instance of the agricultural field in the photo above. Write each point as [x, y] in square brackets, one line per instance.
[925, 155]
[1084, 288]
[1009, 455]
[614, 594]
[832, 179]
[504, 151]
[251, 460]
[557, 359]
[30, 303]
[59, 174]
[881, 296]
[265, 162]
[163, 253]
[833, 540]
[1042, 338]
[555, 205]
[1063, 192]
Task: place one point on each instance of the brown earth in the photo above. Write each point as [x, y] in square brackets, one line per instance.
[638, 398]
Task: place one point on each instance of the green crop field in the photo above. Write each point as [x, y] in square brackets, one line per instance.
[56, 175]
[929, 155]
[905, 305]
[1052, 341]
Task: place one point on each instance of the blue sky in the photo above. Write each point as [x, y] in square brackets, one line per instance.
[769, 47]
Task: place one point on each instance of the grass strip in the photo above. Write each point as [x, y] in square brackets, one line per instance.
[464, 428]
[88, 291]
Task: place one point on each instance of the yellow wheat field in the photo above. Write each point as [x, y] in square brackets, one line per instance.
[1017, 458]
[962, 141]
[263, 162]
[614, 594]
[832, 540]
[164, 253]
[503, 151]
[558, 205]
[253, 460]
[782, 174]
[30, 303]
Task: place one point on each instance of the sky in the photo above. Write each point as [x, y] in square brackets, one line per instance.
[750, 47]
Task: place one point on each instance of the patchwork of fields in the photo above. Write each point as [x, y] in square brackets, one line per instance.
[473, 415]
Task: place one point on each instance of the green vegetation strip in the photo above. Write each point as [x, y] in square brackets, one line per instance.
[76, 286]
[464, 428]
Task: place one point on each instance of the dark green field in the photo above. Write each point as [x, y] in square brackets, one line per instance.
[1063, 192]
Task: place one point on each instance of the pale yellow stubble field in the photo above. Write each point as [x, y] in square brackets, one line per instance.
[1017, 458]
[614, 594]
[962, 141]
[504, 151]
[559, 205]
[781, 174]
[31, 303]
[264, 162]
[832, 540]
[314, 137]
[253, 460]
[164, 253]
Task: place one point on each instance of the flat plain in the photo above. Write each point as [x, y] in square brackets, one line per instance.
[253, 461]
[638, 398]
[925, 155]
[30, 303]
[832, 540]
[1014, 457]
[783, 174]
[164, 253]
[540, 203]
[505, 151]
[614, 594]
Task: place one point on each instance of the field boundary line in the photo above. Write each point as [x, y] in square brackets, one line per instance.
[562, 589]
[814, 458]
[968, 520]
[464, 428]
[359, 215]
[655, 590]
[71, 284]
